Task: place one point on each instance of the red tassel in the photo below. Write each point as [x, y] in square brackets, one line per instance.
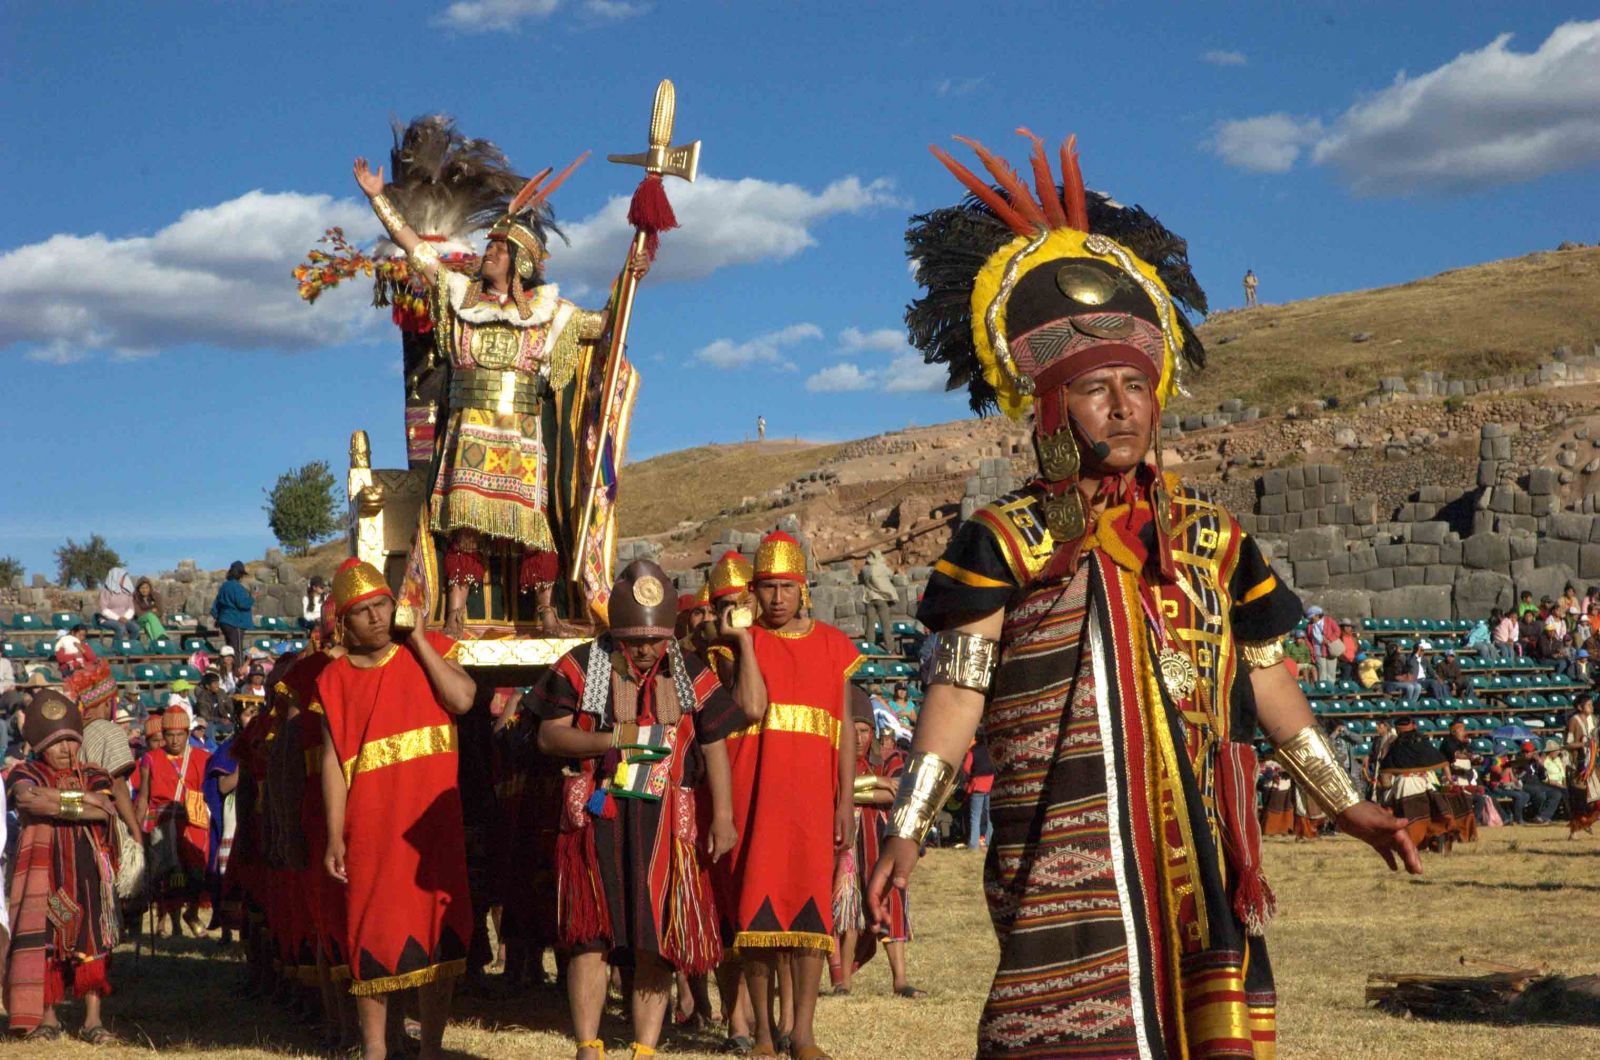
[580, 904]
[463, 568]
[538, 569]
[608, 809]
[92, 977]
[651, 212]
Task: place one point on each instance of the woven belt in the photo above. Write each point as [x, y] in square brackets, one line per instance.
[495, 391]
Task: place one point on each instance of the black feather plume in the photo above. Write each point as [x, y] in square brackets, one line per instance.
[949, 246]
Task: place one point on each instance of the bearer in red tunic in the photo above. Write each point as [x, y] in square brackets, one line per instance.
[794, 810]
[170, 802]
[394, 808]
[640, 723]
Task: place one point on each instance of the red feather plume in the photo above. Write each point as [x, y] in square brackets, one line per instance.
[1044, 182]
[1072, 194]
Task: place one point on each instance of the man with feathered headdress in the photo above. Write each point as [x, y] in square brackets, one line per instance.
[1119, 635]
[507, 454]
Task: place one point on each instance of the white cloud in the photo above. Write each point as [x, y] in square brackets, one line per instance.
[958, 86]
[722, 223]
[763, 349]
[495, 16]
[1485, 118]
[910, 374]
[218, 276]
[1216, 57]
[839, 378]
[883, 339]
[1270, 143]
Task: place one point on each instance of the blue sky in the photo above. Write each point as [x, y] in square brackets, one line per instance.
[165, 166]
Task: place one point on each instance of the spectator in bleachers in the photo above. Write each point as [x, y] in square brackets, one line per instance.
[1529, 626]
[233, 607]
[1347, 656]
[1592, 616]
[1399, 674]
[1525, 604]
[1568, 606]
[311, 603]
[209, 700]
[1369, 670]
[1505, 789]
[1505, 634]
[1480, 640]
[116, 611]
[1580, 670]
[147, 611]
[1447, 671]
[72, 649]
[1542, 797]
[881, 592]
[1554, 761]
[228, 667]
[1324, 643]
[1455, 744]
[905, 711]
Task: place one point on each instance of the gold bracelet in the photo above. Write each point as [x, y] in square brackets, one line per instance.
[924, 787]
[1262, 654]
[965, 660]
[863, 788]
[72, 804]
[1307, 756]
[391, 217]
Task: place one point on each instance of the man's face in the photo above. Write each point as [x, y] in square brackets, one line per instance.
[643, 652]
[1115, 405]
[62, 754]
[497, 263]
[1459, 731]
[863, 739]
[367, 624]
[174, 739]
[779, 599]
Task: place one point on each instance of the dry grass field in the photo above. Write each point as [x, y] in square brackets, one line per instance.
[697, 483]
[1525, 896]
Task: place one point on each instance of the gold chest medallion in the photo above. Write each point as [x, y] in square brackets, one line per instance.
[1178, 673]
[495, 346]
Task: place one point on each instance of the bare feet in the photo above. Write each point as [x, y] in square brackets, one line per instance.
[455, 623]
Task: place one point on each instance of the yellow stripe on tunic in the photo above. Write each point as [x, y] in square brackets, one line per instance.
[401, 747]
[798, 717]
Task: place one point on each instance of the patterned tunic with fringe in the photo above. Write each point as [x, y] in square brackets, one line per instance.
[1124, 826]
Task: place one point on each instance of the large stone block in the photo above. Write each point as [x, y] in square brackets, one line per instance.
[1272, 482]
[1382, 578]
[1272, 504]
[1543, 581]
[1404, 576]
[1343, 604]
[1311, 573]
[1486, 551]
[1524, 543]
[1339, 563]
[1391, 555]
[1542, 480]
[1570, 526]
[1430, 533]
[1294, 501]
[1418, 601]
[1362, 560]
[1552, 551]
[1589, 561]
[1422, 555]
[1316, 543]
[1479, 591]
[1295, 479]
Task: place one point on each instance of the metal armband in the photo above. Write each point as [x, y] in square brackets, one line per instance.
[1307, 756]
[965, 660]
[924, 787]
[1262, 654]
[863, 788]
[387, 214]
[72, 804]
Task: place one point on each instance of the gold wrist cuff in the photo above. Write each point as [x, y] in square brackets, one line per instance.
[1307, 756]
[864, 787]
[924, 787]
[72, 804]
[965, 660]
[1262, 654]
[391, 217]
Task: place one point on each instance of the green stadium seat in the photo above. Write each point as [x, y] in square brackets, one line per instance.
[26, 620]
[13, 649]
[184, 672]
[1538, 700]
[150, 700]
[193, 644]
[1428, 703]
[1516, 701]
[265, 644]
[1405, 623]
[1482, 746]
[44, 649]
[1349, 688]
[146, 673]
[1324, 688]
[64, 619]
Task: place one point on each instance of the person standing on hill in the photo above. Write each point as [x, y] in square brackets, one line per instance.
[233, 608]
[1249, 288]
[761, 428]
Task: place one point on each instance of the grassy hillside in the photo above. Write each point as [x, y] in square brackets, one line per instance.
[1473, 322]
[659, 493]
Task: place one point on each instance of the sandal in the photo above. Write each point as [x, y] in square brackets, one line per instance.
[841, 991]
[597, 1045]
[910, 991]
[737, 1045]
[44, 1032]
[99, 1036]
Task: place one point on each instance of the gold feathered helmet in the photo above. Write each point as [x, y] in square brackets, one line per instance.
[523, 226]
[1028, 290]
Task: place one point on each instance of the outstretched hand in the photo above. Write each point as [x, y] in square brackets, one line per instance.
[1383, 832]
[893, 871]
[371, 183]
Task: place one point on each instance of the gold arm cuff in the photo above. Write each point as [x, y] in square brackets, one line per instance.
[425, 255]
[1307, 756]
[391, 218]
[1262, 654]
[965, 660]
[924, 787]
[72, 804]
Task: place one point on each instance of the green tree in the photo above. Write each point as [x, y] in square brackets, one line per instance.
[300, 508]
[10, 570]
[86, 563]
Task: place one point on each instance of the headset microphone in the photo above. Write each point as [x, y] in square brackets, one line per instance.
[1100, 450]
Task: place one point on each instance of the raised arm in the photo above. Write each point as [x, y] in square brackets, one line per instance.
[404, 236]
[453, 685]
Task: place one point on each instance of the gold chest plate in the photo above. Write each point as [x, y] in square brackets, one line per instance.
[495, 346]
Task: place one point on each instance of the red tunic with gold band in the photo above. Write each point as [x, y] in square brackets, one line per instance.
[409, 918]
[785, 786]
